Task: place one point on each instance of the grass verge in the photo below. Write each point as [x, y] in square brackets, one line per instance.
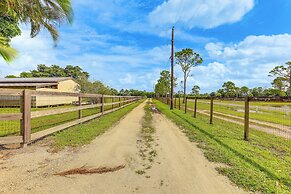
[146, 140]
[84, 133]
[260, 165]
[41, 123]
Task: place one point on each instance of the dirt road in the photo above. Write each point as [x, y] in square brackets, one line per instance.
[177, 167]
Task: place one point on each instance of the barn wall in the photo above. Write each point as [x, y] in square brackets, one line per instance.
[63, 86]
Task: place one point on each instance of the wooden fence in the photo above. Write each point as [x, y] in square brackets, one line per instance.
[78, 103]
[245, 107]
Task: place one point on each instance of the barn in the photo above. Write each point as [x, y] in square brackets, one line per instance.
[51, 84]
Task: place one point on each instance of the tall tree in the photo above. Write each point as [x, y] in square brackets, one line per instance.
[187, 59]
[257, 91]
[75, 72]
[42, 70]
[196, 90]
[280, 84]
[220, 92]
[244, 91]
[163, 86]
[283, 73]
[96, 87]
[229, 89]
[47, 14]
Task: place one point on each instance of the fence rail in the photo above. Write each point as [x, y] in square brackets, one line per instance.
[28, 115]
[274, 118]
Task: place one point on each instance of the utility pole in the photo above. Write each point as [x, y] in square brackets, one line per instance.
[172, 71]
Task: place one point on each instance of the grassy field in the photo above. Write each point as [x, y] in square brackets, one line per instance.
[257, 103]
[85, 133]
[262, 164]
[263, 114]
[46, 122]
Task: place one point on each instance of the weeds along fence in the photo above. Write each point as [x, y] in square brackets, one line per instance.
[271, 115]
[28, 115]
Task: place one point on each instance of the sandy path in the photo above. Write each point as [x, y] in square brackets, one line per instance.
[179, 166]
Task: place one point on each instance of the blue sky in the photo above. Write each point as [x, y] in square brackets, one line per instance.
[126, 43]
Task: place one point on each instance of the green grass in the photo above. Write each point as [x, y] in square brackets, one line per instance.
[257, 103]
[146, 140]
[262, 164]
[41, 123]
[271, 116]
[84, 133]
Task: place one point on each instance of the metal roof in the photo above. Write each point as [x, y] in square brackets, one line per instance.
[27, 84]
[34, 80]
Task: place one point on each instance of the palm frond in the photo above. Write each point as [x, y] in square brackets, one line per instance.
[40, 13]
[6, 51]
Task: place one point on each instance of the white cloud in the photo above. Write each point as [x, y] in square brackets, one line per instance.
[128, 79]
[253, 50]
[250, 60]
[208, 77]
[117, 65]
[30, 52]
[200, 13]
[130, 16]
[185, 36]
[246, 63]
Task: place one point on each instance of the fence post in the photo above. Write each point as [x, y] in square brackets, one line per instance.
[179, 102]
[195, 107]
[211, 110]
[112, 106]
[119, 102]
[80, 104]
[26, 117]
[102, 104]
[186, 105]
[247, 119]
[175, 104]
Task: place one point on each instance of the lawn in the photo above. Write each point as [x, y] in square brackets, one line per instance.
[262, 164]
[257, 103]
[272, 116]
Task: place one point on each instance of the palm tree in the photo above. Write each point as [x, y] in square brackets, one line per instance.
[48, 14]
[6, 51]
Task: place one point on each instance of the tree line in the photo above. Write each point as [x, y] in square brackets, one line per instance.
[81, 77]
[187, 59]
